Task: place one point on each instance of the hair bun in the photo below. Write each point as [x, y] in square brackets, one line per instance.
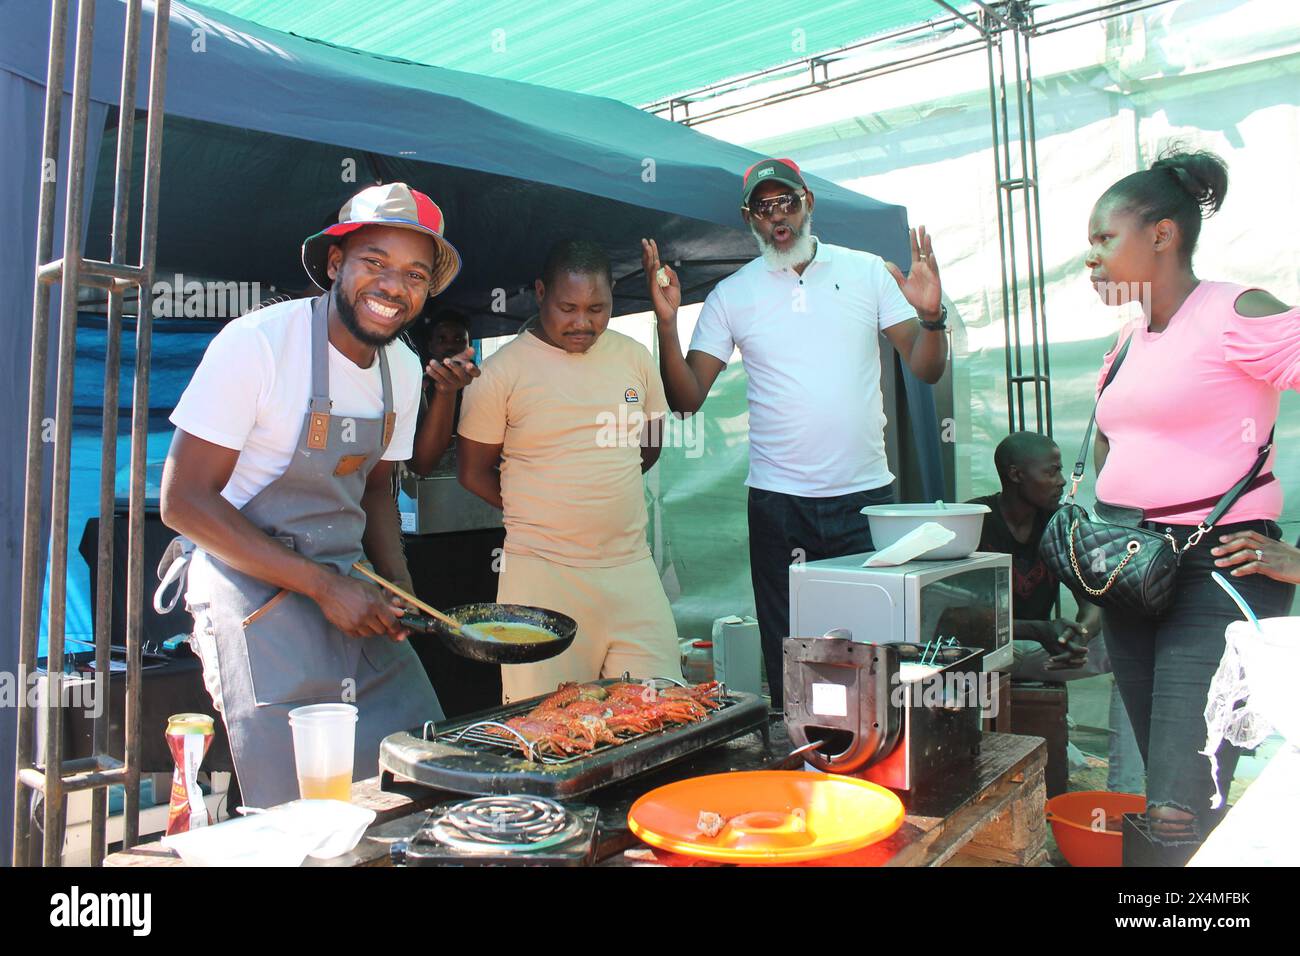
[1202, 174]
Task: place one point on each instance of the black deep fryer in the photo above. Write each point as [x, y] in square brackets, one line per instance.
[850, 697]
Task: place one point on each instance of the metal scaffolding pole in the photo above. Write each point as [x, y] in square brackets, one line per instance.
[997, 109]
[1031, 136]
[135, 575]
[1021, 256]
[812, 66]
[55, 799]
[30, 612]
[108, 455]
[54, 776]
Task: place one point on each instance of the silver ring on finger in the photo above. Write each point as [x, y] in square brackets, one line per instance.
[1259, 555]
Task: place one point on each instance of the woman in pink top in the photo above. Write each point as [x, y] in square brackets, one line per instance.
[1185, 417]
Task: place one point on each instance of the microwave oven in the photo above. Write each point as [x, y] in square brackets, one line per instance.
[968, 599]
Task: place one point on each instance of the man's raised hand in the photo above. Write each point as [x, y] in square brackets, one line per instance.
[453, 374]
[666, 299]
[921, 287]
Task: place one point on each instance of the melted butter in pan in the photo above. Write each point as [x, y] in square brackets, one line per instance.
[513, 633]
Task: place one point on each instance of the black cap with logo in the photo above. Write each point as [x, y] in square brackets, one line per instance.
[779, 170]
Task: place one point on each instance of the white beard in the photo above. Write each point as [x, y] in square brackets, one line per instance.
[800, 252]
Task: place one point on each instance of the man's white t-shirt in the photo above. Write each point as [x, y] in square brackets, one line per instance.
[811, 347]
[252, 391]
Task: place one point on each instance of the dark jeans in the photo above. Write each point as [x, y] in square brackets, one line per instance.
[784, 529]
[1163, 667]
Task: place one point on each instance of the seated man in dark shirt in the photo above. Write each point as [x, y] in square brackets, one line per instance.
[1047, 647]
[1029, 466]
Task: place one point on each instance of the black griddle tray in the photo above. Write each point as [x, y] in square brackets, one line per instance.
[468, 767]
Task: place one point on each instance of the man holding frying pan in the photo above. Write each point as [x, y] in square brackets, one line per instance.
[279, 479]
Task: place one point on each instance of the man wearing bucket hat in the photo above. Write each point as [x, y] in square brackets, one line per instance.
[806, 316]
[278, 479]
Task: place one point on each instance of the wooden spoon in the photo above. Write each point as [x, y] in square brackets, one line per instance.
[415, 602]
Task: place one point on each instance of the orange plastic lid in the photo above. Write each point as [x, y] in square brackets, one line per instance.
[766, 816]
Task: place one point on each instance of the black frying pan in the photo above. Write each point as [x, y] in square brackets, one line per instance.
[498, 652]
[427, 619]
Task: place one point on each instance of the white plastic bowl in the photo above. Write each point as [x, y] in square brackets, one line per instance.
[891, 522]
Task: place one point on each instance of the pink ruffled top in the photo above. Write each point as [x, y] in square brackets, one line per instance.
[1191, 405]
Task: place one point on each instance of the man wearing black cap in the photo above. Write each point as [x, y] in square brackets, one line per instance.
[806, 317]
[278, 479]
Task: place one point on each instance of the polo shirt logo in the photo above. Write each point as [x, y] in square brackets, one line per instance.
[630, 396]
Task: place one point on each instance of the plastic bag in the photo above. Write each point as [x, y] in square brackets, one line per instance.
[1252, 694]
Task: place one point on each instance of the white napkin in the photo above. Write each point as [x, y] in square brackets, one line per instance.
[284, 836]
[911, 546]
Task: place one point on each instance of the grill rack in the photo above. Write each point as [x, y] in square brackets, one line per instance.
[477, 733]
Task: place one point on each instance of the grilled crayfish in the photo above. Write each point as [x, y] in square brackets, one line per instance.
[547, 735]
[577, 717]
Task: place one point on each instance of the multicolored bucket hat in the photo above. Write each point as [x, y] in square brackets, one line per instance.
[392, 204]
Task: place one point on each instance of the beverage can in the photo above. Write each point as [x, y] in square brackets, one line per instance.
[699, 663]
[188, 738]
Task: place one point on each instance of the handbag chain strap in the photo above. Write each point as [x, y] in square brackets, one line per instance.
[1133, 548]
[1210, 520]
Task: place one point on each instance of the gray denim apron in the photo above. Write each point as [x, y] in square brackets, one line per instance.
[266, 651]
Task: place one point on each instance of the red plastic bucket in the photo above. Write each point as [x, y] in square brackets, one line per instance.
[1086, 825]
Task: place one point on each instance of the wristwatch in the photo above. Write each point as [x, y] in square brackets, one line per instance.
[939, 326]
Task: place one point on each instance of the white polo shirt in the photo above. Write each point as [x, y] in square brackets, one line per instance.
[811, 347]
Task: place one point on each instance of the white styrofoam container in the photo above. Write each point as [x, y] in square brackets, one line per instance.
[282, 836]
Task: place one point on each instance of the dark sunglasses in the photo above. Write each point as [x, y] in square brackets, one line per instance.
[787, 203]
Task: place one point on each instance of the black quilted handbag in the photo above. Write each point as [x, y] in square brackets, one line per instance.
[1117, 567]
[1117, 563]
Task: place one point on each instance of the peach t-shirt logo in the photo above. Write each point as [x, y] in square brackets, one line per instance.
[630, 395]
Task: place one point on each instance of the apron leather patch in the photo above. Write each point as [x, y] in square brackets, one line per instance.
[390, 423]
[318, 432]
[350, 464]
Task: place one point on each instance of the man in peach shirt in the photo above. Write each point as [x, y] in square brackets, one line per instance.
[557, 432]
